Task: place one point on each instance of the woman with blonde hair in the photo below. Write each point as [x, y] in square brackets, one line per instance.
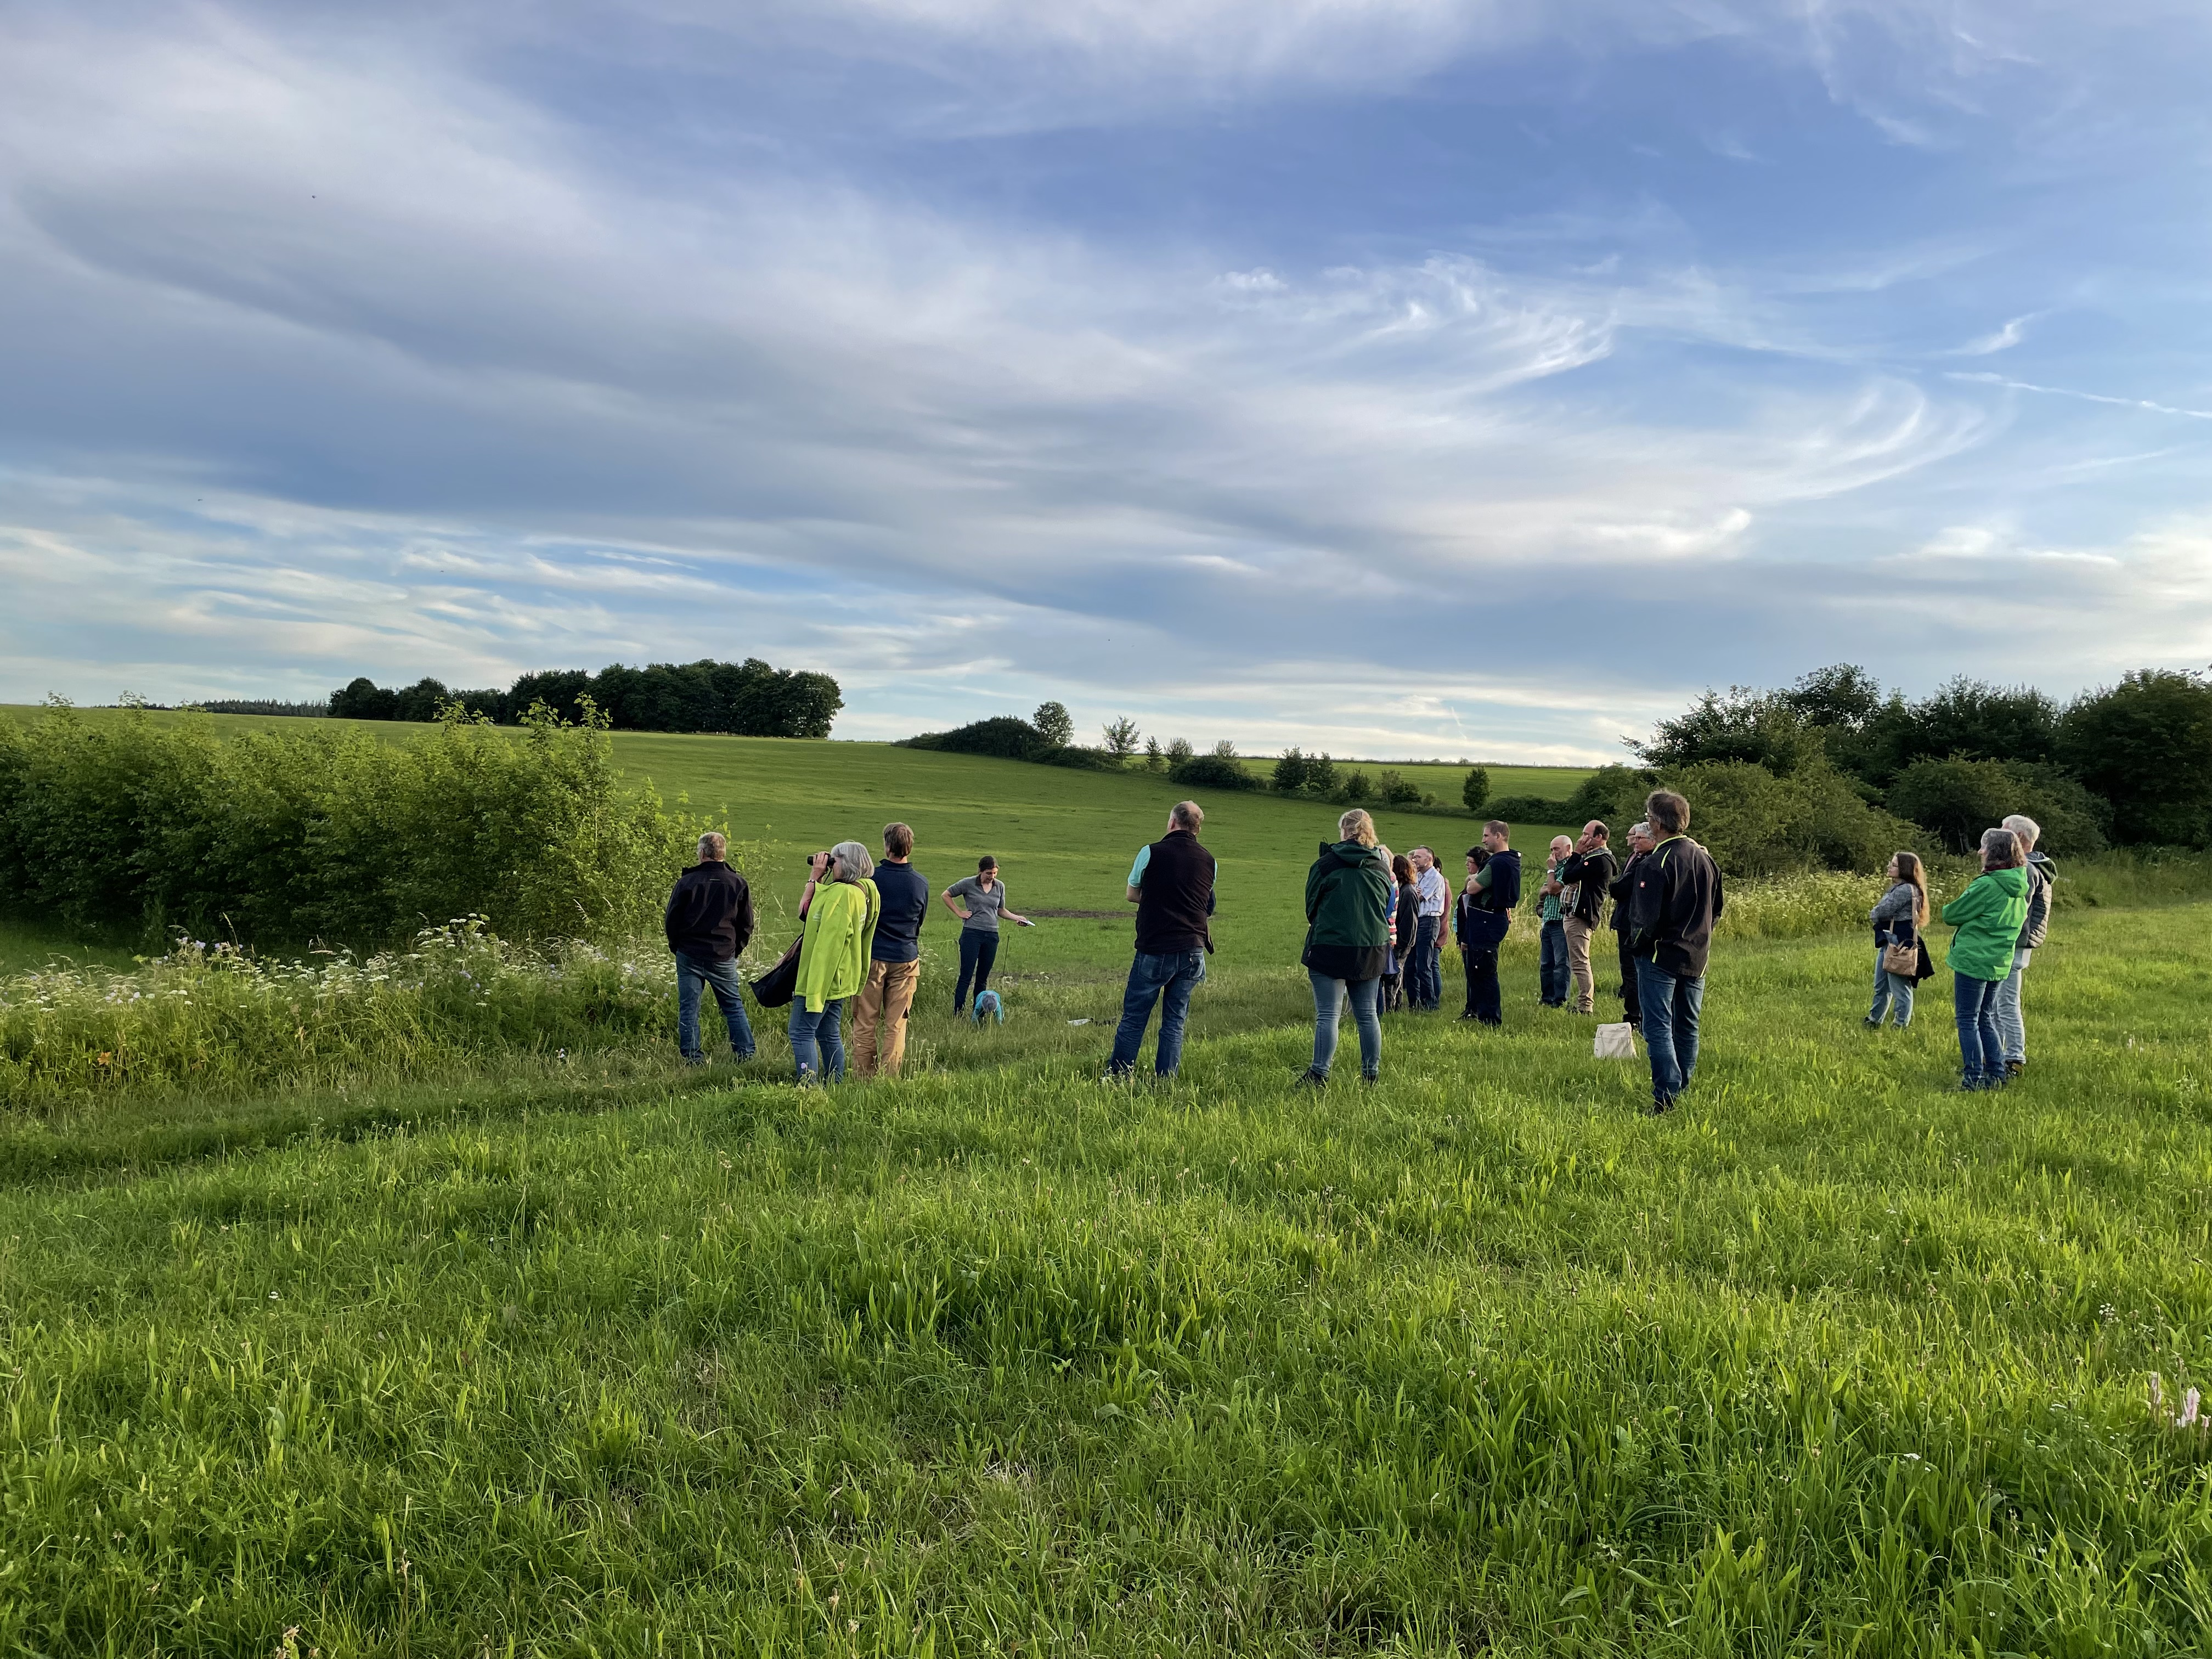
[840, 906]
[1347, 940]
[1897, 919]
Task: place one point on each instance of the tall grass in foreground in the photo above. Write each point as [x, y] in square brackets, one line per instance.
[1480, 1359]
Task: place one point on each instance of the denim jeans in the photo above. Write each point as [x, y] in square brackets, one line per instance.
[1424, 975]
[693, 974]
[1671, 1010]
[1890, 991]
[1981, 1052]
[1552, 964]
[1329, 997]
[1167, 978]
[1483, 1001]
[2012, 1023]
[979, 949]
[818, 1051]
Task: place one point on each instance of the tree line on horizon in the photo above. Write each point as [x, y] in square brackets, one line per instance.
[1831, 770]
[748, 699]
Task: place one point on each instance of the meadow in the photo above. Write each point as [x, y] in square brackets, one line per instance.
[421, 1303]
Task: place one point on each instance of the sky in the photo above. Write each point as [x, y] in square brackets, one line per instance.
[1393, 377]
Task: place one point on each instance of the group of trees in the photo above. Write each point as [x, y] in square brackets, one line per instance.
[2131, 763]
[750, 699]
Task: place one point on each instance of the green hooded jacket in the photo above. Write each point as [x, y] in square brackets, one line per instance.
[1348, 893]
[1988, 916]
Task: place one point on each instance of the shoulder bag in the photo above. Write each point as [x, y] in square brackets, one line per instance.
[774, 988]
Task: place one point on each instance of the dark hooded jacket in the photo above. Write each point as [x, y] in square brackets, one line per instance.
[1347, 912]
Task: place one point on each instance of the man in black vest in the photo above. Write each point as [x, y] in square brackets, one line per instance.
[1171, 885]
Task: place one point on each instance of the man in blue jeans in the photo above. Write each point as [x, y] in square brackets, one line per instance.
[1673, 902]
[1171, 885]
[709, 920]
[1425, 979]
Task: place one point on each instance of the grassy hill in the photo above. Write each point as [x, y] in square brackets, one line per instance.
[1064, 839]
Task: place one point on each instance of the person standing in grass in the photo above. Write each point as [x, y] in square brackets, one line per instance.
[894, 959]
[709, 922]
[1989, 916]
[2011, 1022]
[1405, 924]
[1672, 906]
[840, 906]
[1638, 842]
[1552, 937]
[1348, 893]
[1588, 874]
[984, 897]
[1481, 916]
[1171, 885]
[1424, 987]
[1898, 918]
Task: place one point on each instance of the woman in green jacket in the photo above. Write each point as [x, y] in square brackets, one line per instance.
[841, 907]
[1988, 916]
[1347, 939]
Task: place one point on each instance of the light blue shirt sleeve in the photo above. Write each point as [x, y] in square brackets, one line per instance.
[1137, 869]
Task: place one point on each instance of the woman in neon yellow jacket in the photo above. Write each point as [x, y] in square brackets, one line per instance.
[841, 908]
[1988, 916]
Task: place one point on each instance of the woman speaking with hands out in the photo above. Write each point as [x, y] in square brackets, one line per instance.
[984, 897]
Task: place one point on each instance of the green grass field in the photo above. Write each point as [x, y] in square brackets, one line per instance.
[443, 1323]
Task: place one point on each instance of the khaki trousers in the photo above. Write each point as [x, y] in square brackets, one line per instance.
[1578, 966]
[879, 1020]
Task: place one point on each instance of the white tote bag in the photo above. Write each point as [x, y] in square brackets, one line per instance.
[1615, 1041]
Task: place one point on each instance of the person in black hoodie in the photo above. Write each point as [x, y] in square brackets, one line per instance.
[1673, 902]
[709, 922]
[1483, 912]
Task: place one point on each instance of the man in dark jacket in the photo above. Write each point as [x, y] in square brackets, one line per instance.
[709, 922]
[1587, 874]
[1481, 916]
[1638, 839]
[1673, 902]
[1171, 885]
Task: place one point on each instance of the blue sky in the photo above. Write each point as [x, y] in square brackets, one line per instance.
[1388, 376]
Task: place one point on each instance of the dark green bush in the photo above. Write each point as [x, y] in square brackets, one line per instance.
[1075, 755]
[1393, 788]
[1957, 799]
[1757, 824]
[1476, 790]
[1003, 736]
[122, 826]
[1213, 772]
[1525, 809]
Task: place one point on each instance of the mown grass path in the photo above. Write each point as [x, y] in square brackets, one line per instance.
[1001, 1360]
